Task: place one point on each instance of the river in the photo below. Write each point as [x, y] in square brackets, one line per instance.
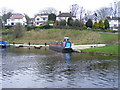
[44, 68]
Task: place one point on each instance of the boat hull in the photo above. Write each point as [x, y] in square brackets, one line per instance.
[60, 49]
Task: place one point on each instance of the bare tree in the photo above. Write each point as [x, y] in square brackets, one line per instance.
[104, 12]
[48, 10]
[6, 13]
[82, 11]
[74, 9]
[119, 9]
[115, 9]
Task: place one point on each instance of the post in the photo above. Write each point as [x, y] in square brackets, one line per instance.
[45, 44]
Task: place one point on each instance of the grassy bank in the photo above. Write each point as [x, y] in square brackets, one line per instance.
[110, 49]
[76, 36]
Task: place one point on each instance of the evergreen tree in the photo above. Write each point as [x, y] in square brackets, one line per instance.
[76, 23]
[95, 25]
[6, 16]
[27, 18]
[70, 21]
[106, 23]
[101, 24]
[18, 31]
[52, 17]
[63, 23]
[89, 23]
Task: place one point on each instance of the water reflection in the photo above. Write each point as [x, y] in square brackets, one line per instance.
[67, 57]
[44, 68]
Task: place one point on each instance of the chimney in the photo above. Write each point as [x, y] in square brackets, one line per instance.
[59, 12]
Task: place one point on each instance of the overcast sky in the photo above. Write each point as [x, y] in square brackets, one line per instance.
[32, 7]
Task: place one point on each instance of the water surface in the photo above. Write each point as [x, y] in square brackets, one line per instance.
[44, 68]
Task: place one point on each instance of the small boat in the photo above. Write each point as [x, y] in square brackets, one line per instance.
[4, 44]
[37, 47]
[61, 46]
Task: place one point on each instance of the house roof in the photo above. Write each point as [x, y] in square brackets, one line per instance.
[16, 17]
[65, 15]
[113, 18]
[41, 15]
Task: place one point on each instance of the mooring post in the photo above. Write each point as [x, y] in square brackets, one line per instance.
[29, 43]
[13, 43]
[45, 44]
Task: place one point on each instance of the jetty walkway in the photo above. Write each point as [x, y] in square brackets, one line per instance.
[74, 47]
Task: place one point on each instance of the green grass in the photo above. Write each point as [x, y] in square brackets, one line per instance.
[109, 37]
[110, 49]
[76, 36]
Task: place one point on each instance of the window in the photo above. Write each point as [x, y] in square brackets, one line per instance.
[8, 20]
[12, 19]
[37, 23]
[44, 18]
[12, 23]
[115, 25]
[68, 44]
[38, 19]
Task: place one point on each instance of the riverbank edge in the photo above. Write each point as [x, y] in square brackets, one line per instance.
[96, 53]
[78, 50]
[93, 52]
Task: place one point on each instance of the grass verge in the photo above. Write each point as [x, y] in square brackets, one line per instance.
[110, 49]
[76, 36]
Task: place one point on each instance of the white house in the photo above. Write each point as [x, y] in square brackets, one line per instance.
[114, 22]
[93, 17]
[65, 16]
[16, 19]
[40, 19]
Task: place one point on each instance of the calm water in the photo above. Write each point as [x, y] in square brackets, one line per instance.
[43, 68]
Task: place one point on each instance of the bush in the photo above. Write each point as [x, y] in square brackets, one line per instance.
[89, 23]
[6, 31]
[8, 27]
[106, 23]
[101, 24]
[18, 31]
[29, 28]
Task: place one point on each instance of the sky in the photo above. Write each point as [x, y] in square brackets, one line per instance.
[32, 7]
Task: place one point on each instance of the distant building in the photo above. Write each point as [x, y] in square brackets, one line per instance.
[16, 19]
[40, 19]
[65, 16]
[0, 22]
[119, 9]
[93, 17]
[114, 22]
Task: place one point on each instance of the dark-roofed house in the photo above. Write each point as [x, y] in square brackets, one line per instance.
[16, 19]
[65, 16]
[114, 22]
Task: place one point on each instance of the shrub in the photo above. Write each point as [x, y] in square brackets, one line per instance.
[101, 24]
[95, 25]
[18, 31]
[106, 23]
[70, 22]
[89, 23]
[62, 23]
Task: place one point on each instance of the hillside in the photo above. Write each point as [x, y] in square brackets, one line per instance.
[76, 36]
